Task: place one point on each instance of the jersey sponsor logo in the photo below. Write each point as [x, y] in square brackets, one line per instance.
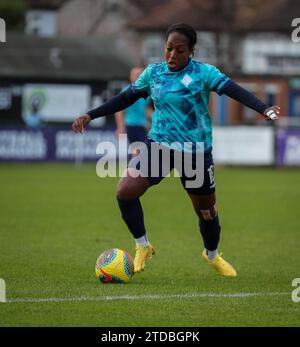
[187, 79]
[157, 80]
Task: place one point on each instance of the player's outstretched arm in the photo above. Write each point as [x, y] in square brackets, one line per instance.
[113, 105]
[242, 95]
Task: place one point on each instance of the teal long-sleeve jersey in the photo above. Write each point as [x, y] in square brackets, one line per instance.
[181, 101]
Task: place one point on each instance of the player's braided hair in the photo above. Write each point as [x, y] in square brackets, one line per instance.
[186, 30]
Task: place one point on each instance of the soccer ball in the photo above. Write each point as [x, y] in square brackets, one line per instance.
[114, 266]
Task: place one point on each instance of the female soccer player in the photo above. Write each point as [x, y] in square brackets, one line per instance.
[179, 88]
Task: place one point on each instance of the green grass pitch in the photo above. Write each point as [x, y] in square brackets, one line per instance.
[57, 218]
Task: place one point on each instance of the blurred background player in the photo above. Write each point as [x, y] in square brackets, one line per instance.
[135, 120]
[33, 119]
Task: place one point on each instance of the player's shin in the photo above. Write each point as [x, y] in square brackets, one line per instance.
[133, 216]
[210, 230]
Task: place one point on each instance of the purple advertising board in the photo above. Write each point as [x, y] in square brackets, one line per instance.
[288, 147]
[51, 144]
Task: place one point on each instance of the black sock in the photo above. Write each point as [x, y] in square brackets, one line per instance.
[210, 231]
[132, 213]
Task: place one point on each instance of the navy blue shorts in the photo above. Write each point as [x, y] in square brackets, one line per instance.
[136, 133]
[207, 184]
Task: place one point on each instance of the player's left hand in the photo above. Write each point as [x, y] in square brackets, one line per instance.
[272, 113]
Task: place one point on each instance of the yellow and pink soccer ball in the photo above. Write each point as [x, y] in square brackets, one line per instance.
[114, 266]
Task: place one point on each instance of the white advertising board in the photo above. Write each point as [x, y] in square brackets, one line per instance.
[243, 145]
[56, 103]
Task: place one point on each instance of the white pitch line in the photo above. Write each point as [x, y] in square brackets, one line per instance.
[146, 297]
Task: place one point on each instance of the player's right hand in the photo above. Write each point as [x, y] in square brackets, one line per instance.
[81, 123]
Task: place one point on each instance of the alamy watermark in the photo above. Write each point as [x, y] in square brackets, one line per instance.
[296, 292]
[296, 31]
[2, 290]
[2, 30]
[154, 160]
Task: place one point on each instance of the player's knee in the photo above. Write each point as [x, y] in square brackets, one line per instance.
[206, 215]
[131, 186]
[123, 191]
[209, 214]
[130, 189]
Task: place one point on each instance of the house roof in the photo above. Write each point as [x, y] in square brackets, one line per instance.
[160, 17]
[147, 4]
[45, 4]
[87, 59]
[221, 15]
[271, 15]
